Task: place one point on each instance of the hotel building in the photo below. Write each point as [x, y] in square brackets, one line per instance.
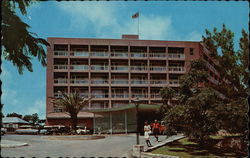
[116, 71]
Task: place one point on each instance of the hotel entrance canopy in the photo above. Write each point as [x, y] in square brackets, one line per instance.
[122, 119]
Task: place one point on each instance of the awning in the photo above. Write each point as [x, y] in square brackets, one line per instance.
[61, 115]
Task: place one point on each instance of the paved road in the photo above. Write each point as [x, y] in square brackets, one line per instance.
[39, 146]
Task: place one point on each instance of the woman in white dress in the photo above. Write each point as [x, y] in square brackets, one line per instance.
[147, 131]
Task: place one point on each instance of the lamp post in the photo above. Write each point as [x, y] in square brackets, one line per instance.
[136, 101]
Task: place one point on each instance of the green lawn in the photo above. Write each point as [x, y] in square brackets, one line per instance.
[187, 149]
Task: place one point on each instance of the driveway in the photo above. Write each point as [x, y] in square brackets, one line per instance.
[41, 146]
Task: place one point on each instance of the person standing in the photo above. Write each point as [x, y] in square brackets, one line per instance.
[156, 128]
[147, 131]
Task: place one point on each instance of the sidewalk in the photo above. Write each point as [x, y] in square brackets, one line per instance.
[146, 150]
[163, 142]
[12, 144]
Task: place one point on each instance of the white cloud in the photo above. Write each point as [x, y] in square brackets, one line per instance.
[12, 98]
[106, 22]
[5, 74]
[98, 14]
[193, 36]
[155, 27]
[38, 107]
[9, 96]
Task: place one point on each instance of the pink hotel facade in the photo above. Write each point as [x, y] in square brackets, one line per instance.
[116, 71]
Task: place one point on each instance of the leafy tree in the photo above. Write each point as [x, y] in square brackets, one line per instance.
[34, 119]
[193, 116]
[167, 93]
[71, 104]
[191, 82]
[14, 115]
[18, 44]
[233, 67]
[201, 112]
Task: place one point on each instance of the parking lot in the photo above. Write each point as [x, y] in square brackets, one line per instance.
[41, 146]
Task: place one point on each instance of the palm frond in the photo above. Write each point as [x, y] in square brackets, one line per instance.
[71, 103]
[18, 43]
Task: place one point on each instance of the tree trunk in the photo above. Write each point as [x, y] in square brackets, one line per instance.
[74, 121]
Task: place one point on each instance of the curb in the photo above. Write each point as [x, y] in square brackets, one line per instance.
[14, 145]
[147, 155]
[164, 143]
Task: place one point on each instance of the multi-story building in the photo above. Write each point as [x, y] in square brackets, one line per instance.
[116, 71]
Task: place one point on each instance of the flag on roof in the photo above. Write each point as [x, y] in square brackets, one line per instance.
[136, 15]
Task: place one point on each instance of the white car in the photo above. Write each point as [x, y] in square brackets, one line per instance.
[43, 131]
[26, 131]
[82, 131]
[3, 131]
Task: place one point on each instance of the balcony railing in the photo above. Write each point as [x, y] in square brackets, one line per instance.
[58, 95]
[157, 68]
[176, 56]
[60, 80]
[79, 81]
[99, 54]
[61, 67]
[84, 94]
[99, 106]
[155, 95]
[58, 110]
[120, 95]
[210, 78]
[119, 54]
[99, 81]
[60, 53]
[212, 68]
[99, 67]
[80, 53]
[120, 68]
[115, 105]
[138, 55]
[139, 95]
[117, 81]
[99, 95]
[157, 55]
[174, 82]
[176, 68]
[158, 82]
[79, 67]
[138, 68]
[139, 82]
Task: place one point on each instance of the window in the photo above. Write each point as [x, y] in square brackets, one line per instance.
[191, 50]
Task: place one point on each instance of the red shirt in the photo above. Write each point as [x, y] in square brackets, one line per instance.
[156, 125]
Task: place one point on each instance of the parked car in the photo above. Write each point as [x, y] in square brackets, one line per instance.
[57, 129]
[82, 130]
[3, 131]
[26, 131]
[43, 131]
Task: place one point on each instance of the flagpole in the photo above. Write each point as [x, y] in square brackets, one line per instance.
[138, 26]
[137, 15]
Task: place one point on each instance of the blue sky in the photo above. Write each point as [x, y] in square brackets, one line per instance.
[26, 94]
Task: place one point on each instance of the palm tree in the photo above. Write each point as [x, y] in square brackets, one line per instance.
[19, 45]
[71, 104]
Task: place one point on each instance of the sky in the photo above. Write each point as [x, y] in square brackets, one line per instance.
[177, 21]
